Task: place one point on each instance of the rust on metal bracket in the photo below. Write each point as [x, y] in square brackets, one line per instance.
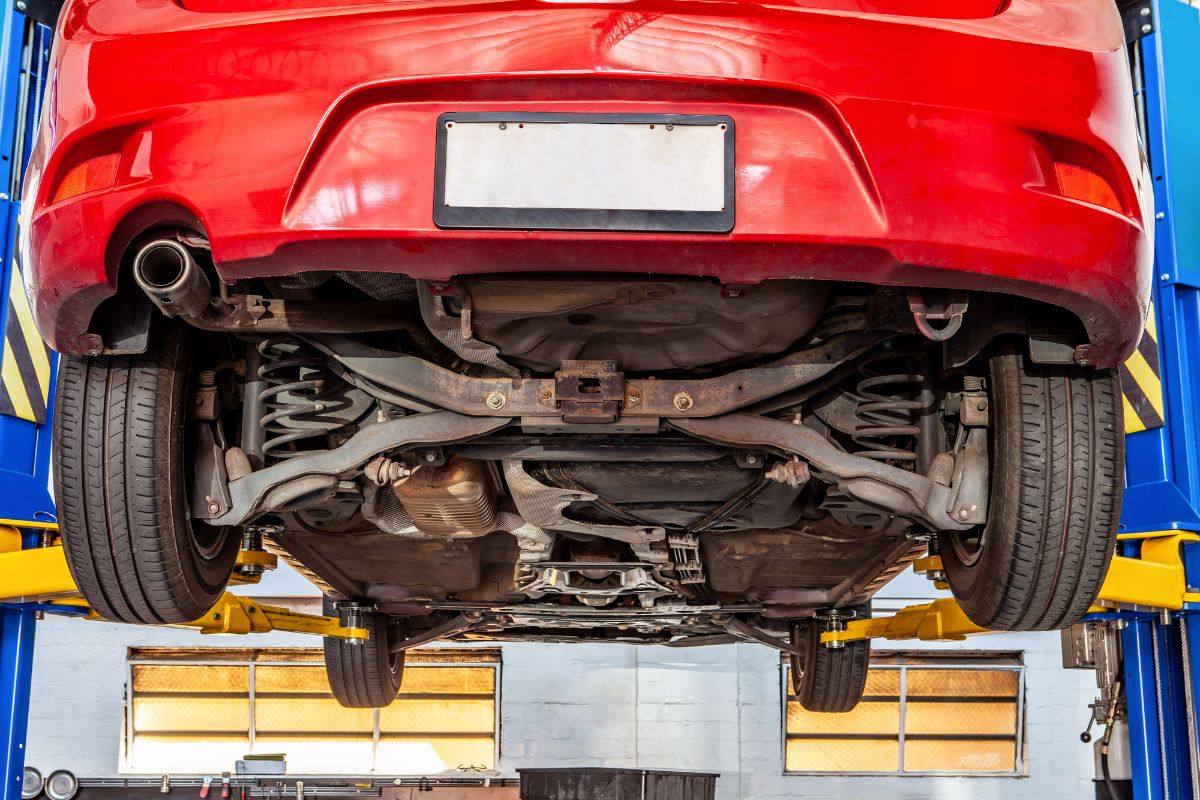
[589, 391]
[437, 387]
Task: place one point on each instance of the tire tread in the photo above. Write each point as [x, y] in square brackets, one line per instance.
[1066, 454]
[118, 439]
[828, 680]
[361, 675]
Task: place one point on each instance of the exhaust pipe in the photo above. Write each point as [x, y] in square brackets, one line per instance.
[169, 274]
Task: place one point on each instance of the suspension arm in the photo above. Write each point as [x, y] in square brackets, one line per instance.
[460, 624]
[280, 485]
[748, 633]
[868, 480]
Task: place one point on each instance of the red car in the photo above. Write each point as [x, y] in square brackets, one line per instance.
[656, 321]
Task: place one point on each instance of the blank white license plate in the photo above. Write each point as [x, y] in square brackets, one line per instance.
[585, 172]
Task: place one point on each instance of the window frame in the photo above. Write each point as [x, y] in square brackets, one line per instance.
[899, 660]
[493, 661]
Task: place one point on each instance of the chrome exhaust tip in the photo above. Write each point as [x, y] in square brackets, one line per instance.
[168, 273]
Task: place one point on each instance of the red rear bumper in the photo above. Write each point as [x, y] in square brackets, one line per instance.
[889, 150]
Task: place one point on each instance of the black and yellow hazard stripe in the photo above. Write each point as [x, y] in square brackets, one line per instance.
[25, 370]
[1141, 382]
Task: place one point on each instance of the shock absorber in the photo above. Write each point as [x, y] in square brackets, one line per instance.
[889, 401]
[298, 387]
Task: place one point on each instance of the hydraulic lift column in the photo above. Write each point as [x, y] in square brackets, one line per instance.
[16, 674]
[25, 380]
[1160, 648]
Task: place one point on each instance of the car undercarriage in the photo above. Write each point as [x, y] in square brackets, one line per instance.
[660, 460]
[606, 339]
[655, 459]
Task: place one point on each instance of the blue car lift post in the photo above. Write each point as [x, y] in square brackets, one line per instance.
[24, 444]
[1162, 651]
[1152, 591]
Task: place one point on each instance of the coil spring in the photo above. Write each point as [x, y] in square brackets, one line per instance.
[888, 406]
[297, 378]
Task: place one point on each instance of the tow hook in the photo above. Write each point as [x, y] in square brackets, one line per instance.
[947, 307]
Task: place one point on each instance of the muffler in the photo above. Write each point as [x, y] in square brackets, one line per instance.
[170, 276]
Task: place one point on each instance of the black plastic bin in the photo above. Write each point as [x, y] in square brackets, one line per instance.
[616, 784]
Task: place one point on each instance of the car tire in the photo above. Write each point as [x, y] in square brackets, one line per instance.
[120, 487]
[367, 674]
[826, 679]
[1055, 499]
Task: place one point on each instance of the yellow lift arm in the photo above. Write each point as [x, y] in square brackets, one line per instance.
[1153, 581]
[41, 575]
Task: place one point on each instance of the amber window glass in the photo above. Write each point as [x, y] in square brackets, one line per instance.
[200, 710]
[921, 713]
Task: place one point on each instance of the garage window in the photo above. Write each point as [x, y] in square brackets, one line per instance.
[200, 710]
[922, 714]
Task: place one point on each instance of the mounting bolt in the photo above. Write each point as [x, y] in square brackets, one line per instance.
[545, 394]
[91, 344]
[1160, 215]
[430, 456]
[21, 5]
[683, 401]
[1144, 11]
[213, 508]
[981, 405]
[496, 401]
[1147, 28]
[963, 513]
[633, 396]
[751, 458]
[1166, 276]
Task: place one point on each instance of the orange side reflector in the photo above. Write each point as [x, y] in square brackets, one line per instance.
[1083, 184]
[92, 175]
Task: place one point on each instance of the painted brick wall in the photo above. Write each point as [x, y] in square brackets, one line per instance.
[718, 710]
[706, 709]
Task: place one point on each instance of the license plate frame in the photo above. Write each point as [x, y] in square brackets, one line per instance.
[584, 219]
